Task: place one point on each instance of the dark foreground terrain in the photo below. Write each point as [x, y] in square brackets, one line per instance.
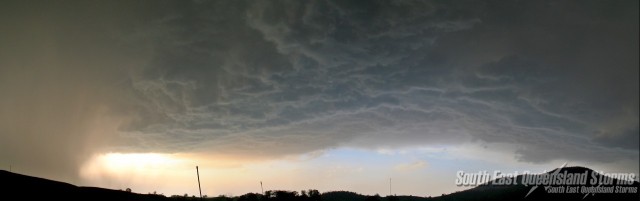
[33, 188]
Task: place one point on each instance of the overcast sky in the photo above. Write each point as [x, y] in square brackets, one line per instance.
[331, 95]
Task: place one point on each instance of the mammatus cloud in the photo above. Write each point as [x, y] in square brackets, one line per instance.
[270, 79]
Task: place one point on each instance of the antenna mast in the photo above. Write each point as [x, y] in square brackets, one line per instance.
[390, 186]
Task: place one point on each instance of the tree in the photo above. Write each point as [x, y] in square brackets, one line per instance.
[249, 197]
[268, 194]
[373, 198]
[286, 195]
[314, 195]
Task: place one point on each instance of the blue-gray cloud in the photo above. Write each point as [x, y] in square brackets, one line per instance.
[292, 77]
[559, 80]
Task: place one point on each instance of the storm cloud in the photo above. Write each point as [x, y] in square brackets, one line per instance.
[557, 79]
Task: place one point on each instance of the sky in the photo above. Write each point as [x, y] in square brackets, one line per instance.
[365, 96]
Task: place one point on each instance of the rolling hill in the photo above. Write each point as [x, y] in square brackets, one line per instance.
[33, 188]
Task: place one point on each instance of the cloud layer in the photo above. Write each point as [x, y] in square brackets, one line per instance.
[559, 80]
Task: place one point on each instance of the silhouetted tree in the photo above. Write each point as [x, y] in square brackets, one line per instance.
[267, 194]
[373, 198]
[314, 195]
[249, 197]
[393, 198]
[286, 195]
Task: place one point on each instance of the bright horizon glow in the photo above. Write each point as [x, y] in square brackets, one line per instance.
[169, 174]
[121, 161]
[420, 171]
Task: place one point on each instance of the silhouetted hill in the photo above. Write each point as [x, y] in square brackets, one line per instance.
[342, 195]
[493, 191]
[33, 188]
[351, 196]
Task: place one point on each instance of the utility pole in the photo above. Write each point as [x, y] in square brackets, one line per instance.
[261, 188]
[200, 189]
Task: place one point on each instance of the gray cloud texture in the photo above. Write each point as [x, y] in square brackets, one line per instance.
[558, 79]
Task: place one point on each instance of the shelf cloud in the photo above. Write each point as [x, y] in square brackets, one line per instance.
[557, 80]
